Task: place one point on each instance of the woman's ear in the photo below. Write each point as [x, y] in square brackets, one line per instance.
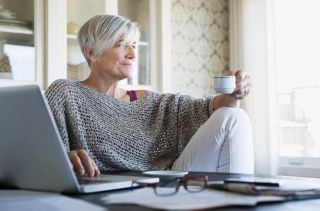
[90, 55]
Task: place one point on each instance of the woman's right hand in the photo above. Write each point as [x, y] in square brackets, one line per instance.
[82, 163]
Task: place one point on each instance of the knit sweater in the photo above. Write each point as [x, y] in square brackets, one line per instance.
[147, 134]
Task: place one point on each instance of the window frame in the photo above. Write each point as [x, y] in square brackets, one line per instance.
[253, 49]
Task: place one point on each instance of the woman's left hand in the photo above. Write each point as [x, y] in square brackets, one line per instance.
[243, 85]
[242, 89]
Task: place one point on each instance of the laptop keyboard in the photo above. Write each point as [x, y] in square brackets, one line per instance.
[91, 180]
[88, 182]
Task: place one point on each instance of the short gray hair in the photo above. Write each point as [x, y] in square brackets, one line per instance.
[103, 31]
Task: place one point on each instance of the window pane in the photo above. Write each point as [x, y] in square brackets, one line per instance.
[298, 45]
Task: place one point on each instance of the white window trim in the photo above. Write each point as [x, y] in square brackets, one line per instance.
[160, 51]
[299, 166]
[56, 42]
[250, 50]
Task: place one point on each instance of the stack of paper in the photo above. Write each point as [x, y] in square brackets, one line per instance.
[184, 200]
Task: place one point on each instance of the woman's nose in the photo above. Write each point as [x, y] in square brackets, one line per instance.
[131, 52]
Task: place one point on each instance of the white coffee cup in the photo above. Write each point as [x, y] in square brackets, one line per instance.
[224, 84]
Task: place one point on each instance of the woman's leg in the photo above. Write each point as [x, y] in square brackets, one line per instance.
[222, 144]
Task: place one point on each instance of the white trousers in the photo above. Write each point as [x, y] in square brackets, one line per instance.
[222, 144]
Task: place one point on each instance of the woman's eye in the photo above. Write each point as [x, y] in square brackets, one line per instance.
[125, 46]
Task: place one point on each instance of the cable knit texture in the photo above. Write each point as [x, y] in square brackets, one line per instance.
[147, 134]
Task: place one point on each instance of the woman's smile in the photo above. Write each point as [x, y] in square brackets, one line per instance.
[127, 64]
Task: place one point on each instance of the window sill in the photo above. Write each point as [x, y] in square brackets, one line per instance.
[299, 166]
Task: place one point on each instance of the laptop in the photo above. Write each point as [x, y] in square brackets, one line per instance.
[32, 154]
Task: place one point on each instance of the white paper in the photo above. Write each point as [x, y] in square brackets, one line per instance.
[32, 200]
[184, 200]
[293, 183]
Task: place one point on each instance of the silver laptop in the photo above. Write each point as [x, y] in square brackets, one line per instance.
[32, 155]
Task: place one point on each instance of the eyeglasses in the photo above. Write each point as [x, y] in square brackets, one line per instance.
[191, 183]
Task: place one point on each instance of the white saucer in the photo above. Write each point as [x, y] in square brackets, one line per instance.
[166, 173]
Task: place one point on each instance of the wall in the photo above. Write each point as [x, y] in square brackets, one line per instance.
[200, 44]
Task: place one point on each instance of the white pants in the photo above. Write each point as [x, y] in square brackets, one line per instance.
[222, 144]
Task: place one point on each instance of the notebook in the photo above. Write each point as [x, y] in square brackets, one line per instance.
[32, 154]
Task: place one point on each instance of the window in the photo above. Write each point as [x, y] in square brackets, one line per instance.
[278, 42]
[297, 41]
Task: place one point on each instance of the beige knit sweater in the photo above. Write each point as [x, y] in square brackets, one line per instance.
[147, 134]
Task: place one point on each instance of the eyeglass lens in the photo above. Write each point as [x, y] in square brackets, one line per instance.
[195, 184]
[167, 188]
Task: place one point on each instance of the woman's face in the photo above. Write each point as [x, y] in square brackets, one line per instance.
[116, 62]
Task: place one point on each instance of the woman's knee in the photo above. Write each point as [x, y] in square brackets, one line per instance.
[228, 117]
[235, 123]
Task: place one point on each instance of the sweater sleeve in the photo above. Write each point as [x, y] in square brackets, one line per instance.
[192, 113]
[56, 100]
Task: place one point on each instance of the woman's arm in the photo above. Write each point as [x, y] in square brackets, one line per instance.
[242, 89]
[225, 101]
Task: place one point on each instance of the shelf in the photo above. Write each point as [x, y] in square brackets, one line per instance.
[292, 124]
[72, 36]
[143, 43]
[136, 87]
[15, 29]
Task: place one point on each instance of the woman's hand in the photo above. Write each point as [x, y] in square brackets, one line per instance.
[243, 86]
[82, 163]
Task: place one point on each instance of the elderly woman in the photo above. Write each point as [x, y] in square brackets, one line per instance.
[106, 128]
